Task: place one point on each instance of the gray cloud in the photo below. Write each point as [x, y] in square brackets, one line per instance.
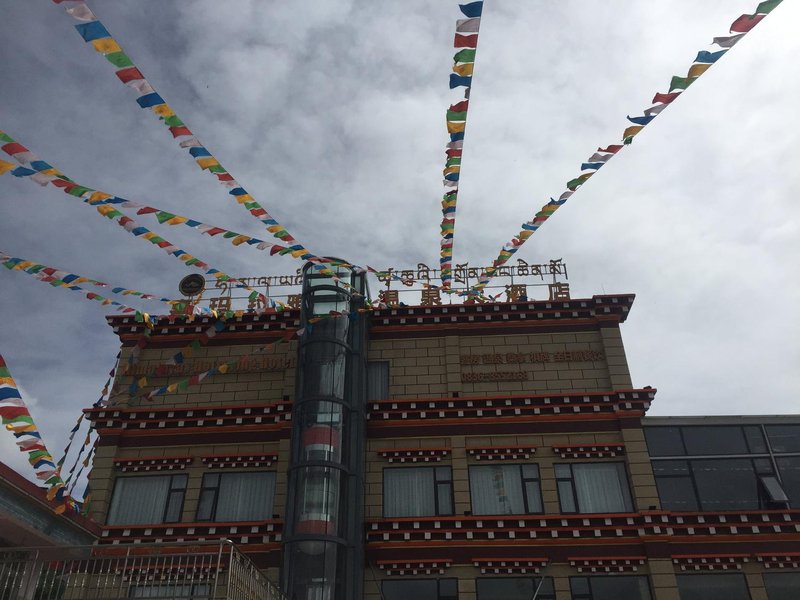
[331, 114]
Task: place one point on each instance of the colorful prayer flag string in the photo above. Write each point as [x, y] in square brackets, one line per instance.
[678, 85]
[94, 32]
[18, 420]
[456, 118]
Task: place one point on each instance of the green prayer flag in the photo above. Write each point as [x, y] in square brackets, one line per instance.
[681, 83]
[456, 116]
[55, 478]
[5, 138]
[163, 216]
[191, 261]
[456, 160]
[39, 454]
[4, 372]
[467, 55]
[573, 184]
[173, 121]
[183, 385]
[119, 59]
[229, 234]
[217, 169]
[767, 6]
[79, 190]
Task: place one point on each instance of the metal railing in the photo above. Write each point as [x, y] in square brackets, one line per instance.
[207, 571]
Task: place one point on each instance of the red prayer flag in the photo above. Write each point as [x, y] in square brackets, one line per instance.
[454, 152]
[257, 212]
[466, 41]
[12, 412]
[665, 98]
[129, 74]
[460, 107]
[224, 176]
[179, 131]
[163, 244]
[13, 148]
[612, 149]
[745, 23]
[274, 250]
[146, 210]
[215, 231]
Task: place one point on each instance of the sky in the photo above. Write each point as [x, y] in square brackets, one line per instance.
[332, 116]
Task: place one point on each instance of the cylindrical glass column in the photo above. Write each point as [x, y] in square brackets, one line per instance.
[323, 547]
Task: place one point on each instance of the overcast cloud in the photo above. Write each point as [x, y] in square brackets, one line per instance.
[332, 115]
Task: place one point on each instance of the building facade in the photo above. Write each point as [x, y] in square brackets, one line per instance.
[505, 454]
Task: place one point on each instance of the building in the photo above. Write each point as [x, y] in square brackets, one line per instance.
[438, 452]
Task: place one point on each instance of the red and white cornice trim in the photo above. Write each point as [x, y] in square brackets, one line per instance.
[413, 455]
[711, 562]
[620, 564]
[501, 452]
[500, 566]
[233, 461]
[161, 463]
[786, 560]
[589, 450]
[430, 566]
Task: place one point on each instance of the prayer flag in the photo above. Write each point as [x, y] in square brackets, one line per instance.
[456, 116]
[106, 45]
[468, 25]
[654, 110]
[93, 30]
[767, 6]
[456, 81]
[680, 83]
[460, 106]
[665, 98]
[464, 70]
[474, 9]
[698, 69]
[119, 59]
[611, 149]
[149, 100]
[727, 42]
[631, 131]
[745, 23]
[704, 56]
[593, 166]
[466, 41]
[641, 120]
[455, 127]
[464, 56]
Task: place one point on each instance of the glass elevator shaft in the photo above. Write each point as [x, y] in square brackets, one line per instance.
[323, 540]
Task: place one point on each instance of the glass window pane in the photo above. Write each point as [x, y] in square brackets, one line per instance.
[601, 488]
[245, 496]
[782, 586]
[174, 507]
[448, 589]
[714, 440]
[730, 586]
[210, 480]
[789, 468]
[139, 500]
[563, 471]
[664, 441]
[319, 507]
[726, 484]
[444, 474]
[676, 493]
[504, 588]
[496, 490]
[417, 589]
[615, 587]
[565, 497]
[579, 585]
[533, 494]
[678, 468]
[444, 495]
[377, 380]
[530, 471]
[755, 439]
[205, 505]
[408, 492]
[784, 438]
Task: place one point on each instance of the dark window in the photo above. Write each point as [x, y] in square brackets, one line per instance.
[514, 588]
[755, 439]
[193, 591]
[417, 492]
[782, 586]
[147, 500]
[420, 589]
[610, 587]
[721, 439]
[377, 380]
[784, 438]
[664, 441]
[600, 487]
[717, 484]
[236, 496]
[505, 489]
[789, 468]
[726, 586]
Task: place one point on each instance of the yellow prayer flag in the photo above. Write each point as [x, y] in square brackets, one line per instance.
[7, 381]
[50, 172]
[697, 70]
[23, 265]
[456, 127]
[464, 70]
[172, 387]
[244, 198]
[163, 110]
[298, 253]
[274, 228]
[240, 239]
[631, 131]
[453, 169]
[223, 368]
[99, 197]
[177, 220]
[185, 257]
[104, 209]
[147, 236]
[6, 166]
[106, 45]
[207, 161]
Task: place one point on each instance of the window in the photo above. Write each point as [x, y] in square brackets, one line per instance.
[717, 484]
[227, 497]
[782, 586]
[147, 500]
[732, 586]
[714, 440]
[610, 587]
[514, 588]
[194, 591]
[505, 489]
[420, 589]
[417, 492]
[789, 468]
[784, 438]
[703, 440]
[593, 488]
[664, 441]
[377, 380]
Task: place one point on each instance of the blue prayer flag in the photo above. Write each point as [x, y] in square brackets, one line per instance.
[454, 137]
[40, 165]
[593, 166]
[473, 9]
[457, 81]
[704, 56]
[149, 100]
[641, 120]
[93, 30]
[199, 151]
